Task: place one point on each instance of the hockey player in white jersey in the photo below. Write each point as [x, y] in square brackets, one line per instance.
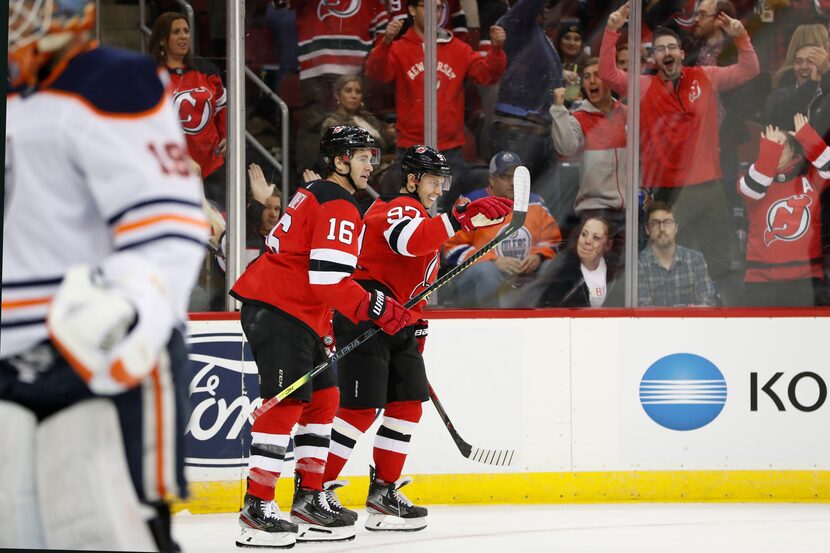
[92, 389]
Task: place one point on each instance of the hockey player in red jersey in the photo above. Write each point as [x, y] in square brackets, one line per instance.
[782, 192]
[287, 296]
[399, 258]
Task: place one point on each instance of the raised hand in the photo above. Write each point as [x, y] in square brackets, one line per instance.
[392, 30]
[732, 27]
[617, 19]
[559, 96]
[497, 36]
[774, 134]
[820, 58]
[260, 189]
[799, 120]
[309, 175]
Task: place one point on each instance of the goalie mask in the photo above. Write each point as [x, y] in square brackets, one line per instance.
[40, 28]
[421, 160]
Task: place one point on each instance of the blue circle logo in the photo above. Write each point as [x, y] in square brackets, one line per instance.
[683, 391]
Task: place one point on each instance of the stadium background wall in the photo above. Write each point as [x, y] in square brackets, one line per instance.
[601, 406]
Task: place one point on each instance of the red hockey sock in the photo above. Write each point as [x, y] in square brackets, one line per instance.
[269, 440]
[392, 440]
[349, 425]
[311, 441]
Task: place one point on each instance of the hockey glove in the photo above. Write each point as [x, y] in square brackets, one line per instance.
[99, 332]
[421, 332]
[483, 212]
[385, 312]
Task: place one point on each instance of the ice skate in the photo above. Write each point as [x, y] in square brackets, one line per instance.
[317, 520]
[390, 510]
[262, 526]
[334, 501]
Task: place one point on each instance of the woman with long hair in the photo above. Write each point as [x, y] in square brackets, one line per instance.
[198, 94]
[580, 276]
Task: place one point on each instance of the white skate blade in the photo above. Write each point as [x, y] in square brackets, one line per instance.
[315, 532]
[251, 537]
[378, 522]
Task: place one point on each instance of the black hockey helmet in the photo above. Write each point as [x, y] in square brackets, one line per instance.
[341, 140]
[422, 160]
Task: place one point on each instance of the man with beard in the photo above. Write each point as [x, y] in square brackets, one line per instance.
[679, 131]
[668, 274]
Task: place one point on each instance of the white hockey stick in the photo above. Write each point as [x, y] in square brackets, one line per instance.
[521, 198]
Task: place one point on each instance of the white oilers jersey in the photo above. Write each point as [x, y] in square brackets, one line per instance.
[96, 172]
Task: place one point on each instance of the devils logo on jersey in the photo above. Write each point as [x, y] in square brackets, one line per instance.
[337, 8]
[429, 277]
[694, 91]
[788, 219]
[194, 108]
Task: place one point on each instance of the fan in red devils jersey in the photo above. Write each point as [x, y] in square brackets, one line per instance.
[198, 95]
[399, 257]
[287, 295]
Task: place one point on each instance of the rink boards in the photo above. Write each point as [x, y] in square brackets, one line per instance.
[626, 406]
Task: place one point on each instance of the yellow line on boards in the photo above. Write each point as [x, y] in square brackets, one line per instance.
[554, 487]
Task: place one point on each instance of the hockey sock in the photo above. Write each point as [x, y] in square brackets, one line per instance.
[311, 441]
[392, 440]
[349, 424]
[269, 440]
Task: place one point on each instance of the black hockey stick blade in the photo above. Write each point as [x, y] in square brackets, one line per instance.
[497, 457]
[521, 199]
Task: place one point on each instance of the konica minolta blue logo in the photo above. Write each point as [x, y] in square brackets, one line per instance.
[683, 391]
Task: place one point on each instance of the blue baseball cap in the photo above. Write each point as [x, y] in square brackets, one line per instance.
[502, 161]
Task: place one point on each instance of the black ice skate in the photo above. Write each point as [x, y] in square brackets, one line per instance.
[262, 526]
[390, 510]
[334, 501]
[317, 520]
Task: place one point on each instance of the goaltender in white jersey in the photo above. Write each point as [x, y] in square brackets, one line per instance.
[103, 237]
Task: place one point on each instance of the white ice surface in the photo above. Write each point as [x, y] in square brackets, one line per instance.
[634, 528]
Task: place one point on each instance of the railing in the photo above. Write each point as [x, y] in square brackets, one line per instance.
[282, 167]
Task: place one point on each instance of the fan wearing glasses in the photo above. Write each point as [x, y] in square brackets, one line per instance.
[679, 131]
[668, 274]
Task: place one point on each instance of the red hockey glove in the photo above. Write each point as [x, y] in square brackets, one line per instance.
[421, 332]
[483, 212]
[387, 313]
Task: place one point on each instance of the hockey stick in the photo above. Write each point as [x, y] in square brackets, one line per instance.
[497, 457]
[521, 197]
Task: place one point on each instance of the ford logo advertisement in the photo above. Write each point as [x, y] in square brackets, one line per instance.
[224, 391]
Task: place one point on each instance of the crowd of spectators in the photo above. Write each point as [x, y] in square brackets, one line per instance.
[727, 88]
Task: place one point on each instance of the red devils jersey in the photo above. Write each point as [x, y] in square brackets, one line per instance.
[400, 245]
[200, 101]
[784, 211]
[403, 63]
[335, 36]
[312, 252]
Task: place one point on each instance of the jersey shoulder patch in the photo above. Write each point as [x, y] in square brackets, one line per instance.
[327, 191]
[113, 81]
